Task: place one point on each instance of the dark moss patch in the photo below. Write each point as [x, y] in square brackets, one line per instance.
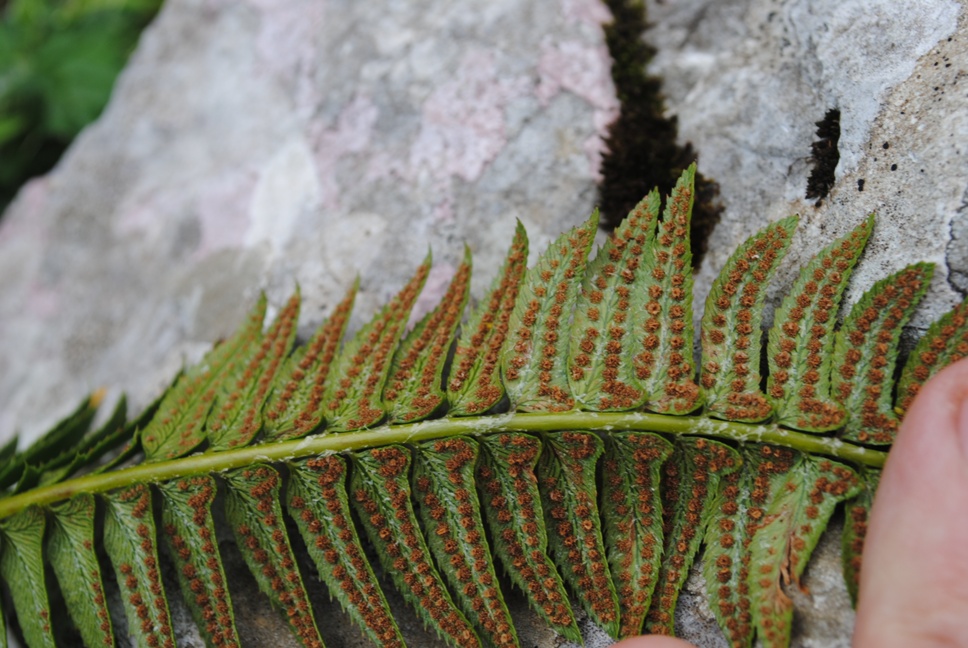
[824, 155]
[642, 149]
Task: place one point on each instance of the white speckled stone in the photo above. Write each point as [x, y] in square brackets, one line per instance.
[254, 145]
[748, 79]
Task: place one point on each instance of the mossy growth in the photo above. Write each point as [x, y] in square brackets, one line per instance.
[824, 156]
[642, 149]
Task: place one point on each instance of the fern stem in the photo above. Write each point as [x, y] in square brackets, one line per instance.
[328, 443]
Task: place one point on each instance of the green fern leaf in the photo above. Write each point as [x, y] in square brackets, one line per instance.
[254, 512]
[3, 617]
[512, 504]
[475, 385]
[317, 501]
[52, 449]
[64, 436]
[769, 518]
[29, 477]
[857, 511]
[8, 451]
[801, 340]
[413, 391]
[22, 568]
[731, 326]
[632, 520]
[665, 367]
[945, 342]
[566, 479]
[70, 550]
[237, 414]
[443, 481]
[726, 563]
[601, 376]
[189, 532]
[119, 435]
[865, 353]
[130, 449]
[131, 437]
[800, 495]
[381, 494]
[355, 400]
[534, 358]
[89, 449]
[129, 539]
[689, 485]
[178, 427]
[296, 406]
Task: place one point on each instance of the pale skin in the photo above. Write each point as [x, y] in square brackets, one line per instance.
[914, 581]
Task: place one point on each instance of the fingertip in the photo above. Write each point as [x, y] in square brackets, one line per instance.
[653, 641]
[912, 584]
[939, 407]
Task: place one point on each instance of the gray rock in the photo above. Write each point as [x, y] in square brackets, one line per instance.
[250, 146]
[748, 79]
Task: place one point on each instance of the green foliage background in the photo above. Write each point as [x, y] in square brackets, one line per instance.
[58, 63]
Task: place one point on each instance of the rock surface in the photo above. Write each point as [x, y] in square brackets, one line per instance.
[748, 80]
[257, 144]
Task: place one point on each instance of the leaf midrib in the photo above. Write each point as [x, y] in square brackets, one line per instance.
[334, 442]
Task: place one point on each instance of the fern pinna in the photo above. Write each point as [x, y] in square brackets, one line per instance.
[567, 443]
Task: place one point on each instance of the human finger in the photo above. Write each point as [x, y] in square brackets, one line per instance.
[914, 579]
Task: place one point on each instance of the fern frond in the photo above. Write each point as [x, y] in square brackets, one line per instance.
[52, 449]
[689, 482]
[178, 427]
[443, 480]
[475, 384]
[731, 326]
[130, 542]
[800, 495]
[857, 510]
[414, 389]
[866, 350]
[254, 512]
[534, 359]
[512, 502]
[354, 399]
[381, 494]
[568, 447]
[945, 341]
[22, 567]
[602, 375]
[632, 521]
[3, 620]
[296, 405]
[317, 500]
[189, 532]
[567, 482]
[801, 340]
[664, 367]
[72, 556]
[237, 414]
[726, 563]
